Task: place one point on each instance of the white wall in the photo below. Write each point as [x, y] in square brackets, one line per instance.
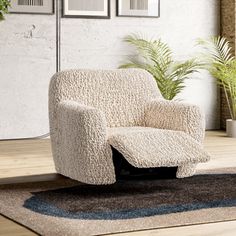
[26, 63]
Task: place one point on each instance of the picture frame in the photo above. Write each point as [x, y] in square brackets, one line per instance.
[138, 8]
[98, 9]
[32, 7]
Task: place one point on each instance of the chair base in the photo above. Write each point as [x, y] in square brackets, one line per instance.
[186, 170]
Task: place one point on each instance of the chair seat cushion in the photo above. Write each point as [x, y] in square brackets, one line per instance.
[145, 147]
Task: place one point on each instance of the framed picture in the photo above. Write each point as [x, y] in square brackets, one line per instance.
[138, 8]
[86, 8]
[32, 6]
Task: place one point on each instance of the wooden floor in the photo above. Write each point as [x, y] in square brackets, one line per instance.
[31, 160]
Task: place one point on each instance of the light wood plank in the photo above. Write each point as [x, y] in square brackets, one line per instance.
[9, 228]
[25, 158]
[214, 229]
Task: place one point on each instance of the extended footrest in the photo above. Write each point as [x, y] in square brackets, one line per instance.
[146, 147]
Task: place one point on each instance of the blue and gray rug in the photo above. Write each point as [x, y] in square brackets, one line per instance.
[129, 199]
[66, 207]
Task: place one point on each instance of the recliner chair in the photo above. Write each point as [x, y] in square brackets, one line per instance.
[91, 111]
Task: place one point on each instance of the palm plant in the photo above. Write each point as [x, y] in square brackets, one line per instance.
[155, 56]
[226, 78]
[4, 5]
[222, 65]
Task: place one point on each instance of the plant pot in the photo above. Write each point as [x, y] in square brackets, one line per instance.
[231, 128]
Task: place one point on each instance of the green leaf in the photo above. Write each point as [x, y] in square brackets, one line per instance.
[4, 5]
[155, 56]
[217, 49]
[222, 66]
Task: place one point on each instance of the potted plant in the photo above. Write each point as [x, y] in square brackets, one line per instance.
[4, 5]
[222, 65]
[155, 56]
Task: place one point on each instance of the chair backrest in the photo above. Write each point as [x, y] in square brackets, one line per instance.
[121, 94]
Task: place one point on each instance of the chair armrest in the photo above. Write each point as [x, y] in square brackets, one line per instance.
[84, 119]
[83, 143]
[174, 115]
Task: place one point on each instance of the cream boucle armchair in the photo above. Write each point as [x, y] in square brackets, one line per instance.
[91, 111]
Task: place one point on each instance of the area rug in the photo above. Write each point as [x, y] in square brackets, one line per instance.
[66, 207]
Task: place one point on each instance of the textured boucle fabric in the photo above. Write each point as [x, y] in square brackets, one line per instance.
[145, 147]
[121, 94]
[174, 115]
[186, 170]
[86, 148]
[84, 106]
